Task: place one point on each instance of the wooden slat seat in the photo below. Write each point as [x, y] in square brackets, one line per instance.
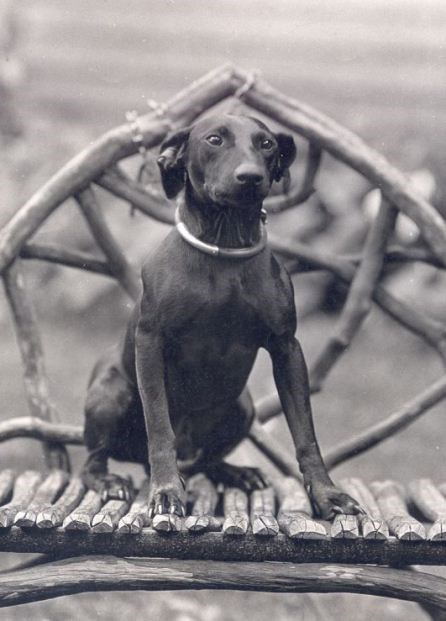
[274, 524]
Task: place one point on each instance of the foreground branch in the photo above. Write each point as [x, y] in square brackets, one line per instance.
[106, 573]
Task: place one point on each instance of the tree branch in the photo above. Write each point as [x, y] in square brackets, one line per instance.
[382, 430]
[106, 151]
[119, 266]
[152, 204]
[427, 328]
[276, 204]
[111, 574]
[349, 148]
[38, 429]
[54, 253]
[30, 345]
[359, 298]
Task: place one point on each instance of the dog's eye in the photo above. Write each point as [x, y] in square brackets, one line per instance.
[215, 140]
[267, 144]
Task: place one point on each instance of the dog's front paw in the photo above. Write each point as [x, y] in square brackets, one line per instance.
[167, 498]
[328, 501]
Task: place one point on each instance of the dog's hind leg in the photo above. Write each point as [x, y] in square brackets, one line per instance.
[109, 399]
[225, 437]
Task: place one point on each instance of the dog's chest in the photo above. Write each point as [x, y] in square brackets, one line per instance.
[210, 350]
[224, 310]
[216, 311]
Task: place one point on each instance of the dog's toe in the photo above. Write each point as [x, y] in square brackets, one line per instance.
[114, 487]
[245, 478]
[166, 502]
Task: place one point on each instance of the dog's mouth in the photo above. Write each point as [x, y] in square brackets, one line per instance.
[242, 197]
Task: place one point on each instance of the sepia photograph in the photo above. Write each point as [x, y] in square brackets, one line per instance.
[222, 310]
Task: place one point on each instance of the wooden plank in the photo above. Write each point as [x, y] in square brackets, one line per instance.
[138, 515]
[204, 498]
[25, 487]
[263, 521]
[54, 514]
[294, 516]
[80, 519]
[45, 495]
[167, 523]
[390, 498]
[107, 519]
[344, 527]
[217, 546]
[236, 512]
[373, 526]
[430, 501]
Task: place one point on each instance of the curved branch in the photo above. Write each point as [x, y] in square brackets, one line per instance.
[106, 151]
[427, 328]
[273, 449]
[400, 254]
[38, 429]
[276, 204]
[54, 253]
[106, 573]
[359, 298]
[349, 148]
[120, 267]
[400, 419]
[153, 205]
[34, 373]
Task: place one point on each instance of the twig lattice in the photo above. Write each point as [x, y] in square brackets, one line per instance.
[98, 165]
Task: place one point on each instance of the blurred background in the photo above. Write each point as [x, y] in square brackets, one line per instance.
[71, 70]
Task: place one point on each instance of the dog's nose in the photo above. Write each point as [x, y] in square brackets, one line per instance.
[248, 175]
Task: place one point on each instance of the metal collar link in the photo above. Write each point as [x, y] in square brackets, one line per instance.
[216, 251]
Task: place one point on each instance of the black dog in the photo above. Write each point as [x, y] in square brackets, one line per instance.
[175, 387]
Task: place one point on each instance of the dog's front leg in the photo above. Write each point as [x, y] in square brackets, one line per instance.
[167, 491]
[291, 377]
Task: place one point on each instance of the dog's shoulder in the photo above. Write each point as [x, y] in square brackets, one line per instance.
[268, 289]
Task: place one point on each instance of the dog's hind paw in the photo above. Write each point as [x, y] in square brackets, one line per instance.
[110, 487]
[243, 477]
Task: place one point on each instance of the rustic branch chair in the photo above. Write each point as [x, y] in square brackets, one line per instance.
[54, 515]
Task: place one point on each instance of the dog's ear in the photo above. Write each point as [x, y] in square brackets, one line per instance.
[286, 155]
[171, 162]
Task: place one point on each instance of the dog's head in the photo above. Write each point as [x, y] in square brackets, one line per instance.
[228, 160]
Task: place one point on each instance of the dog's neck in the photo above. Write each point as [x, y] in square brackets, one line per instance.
[227, 227]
